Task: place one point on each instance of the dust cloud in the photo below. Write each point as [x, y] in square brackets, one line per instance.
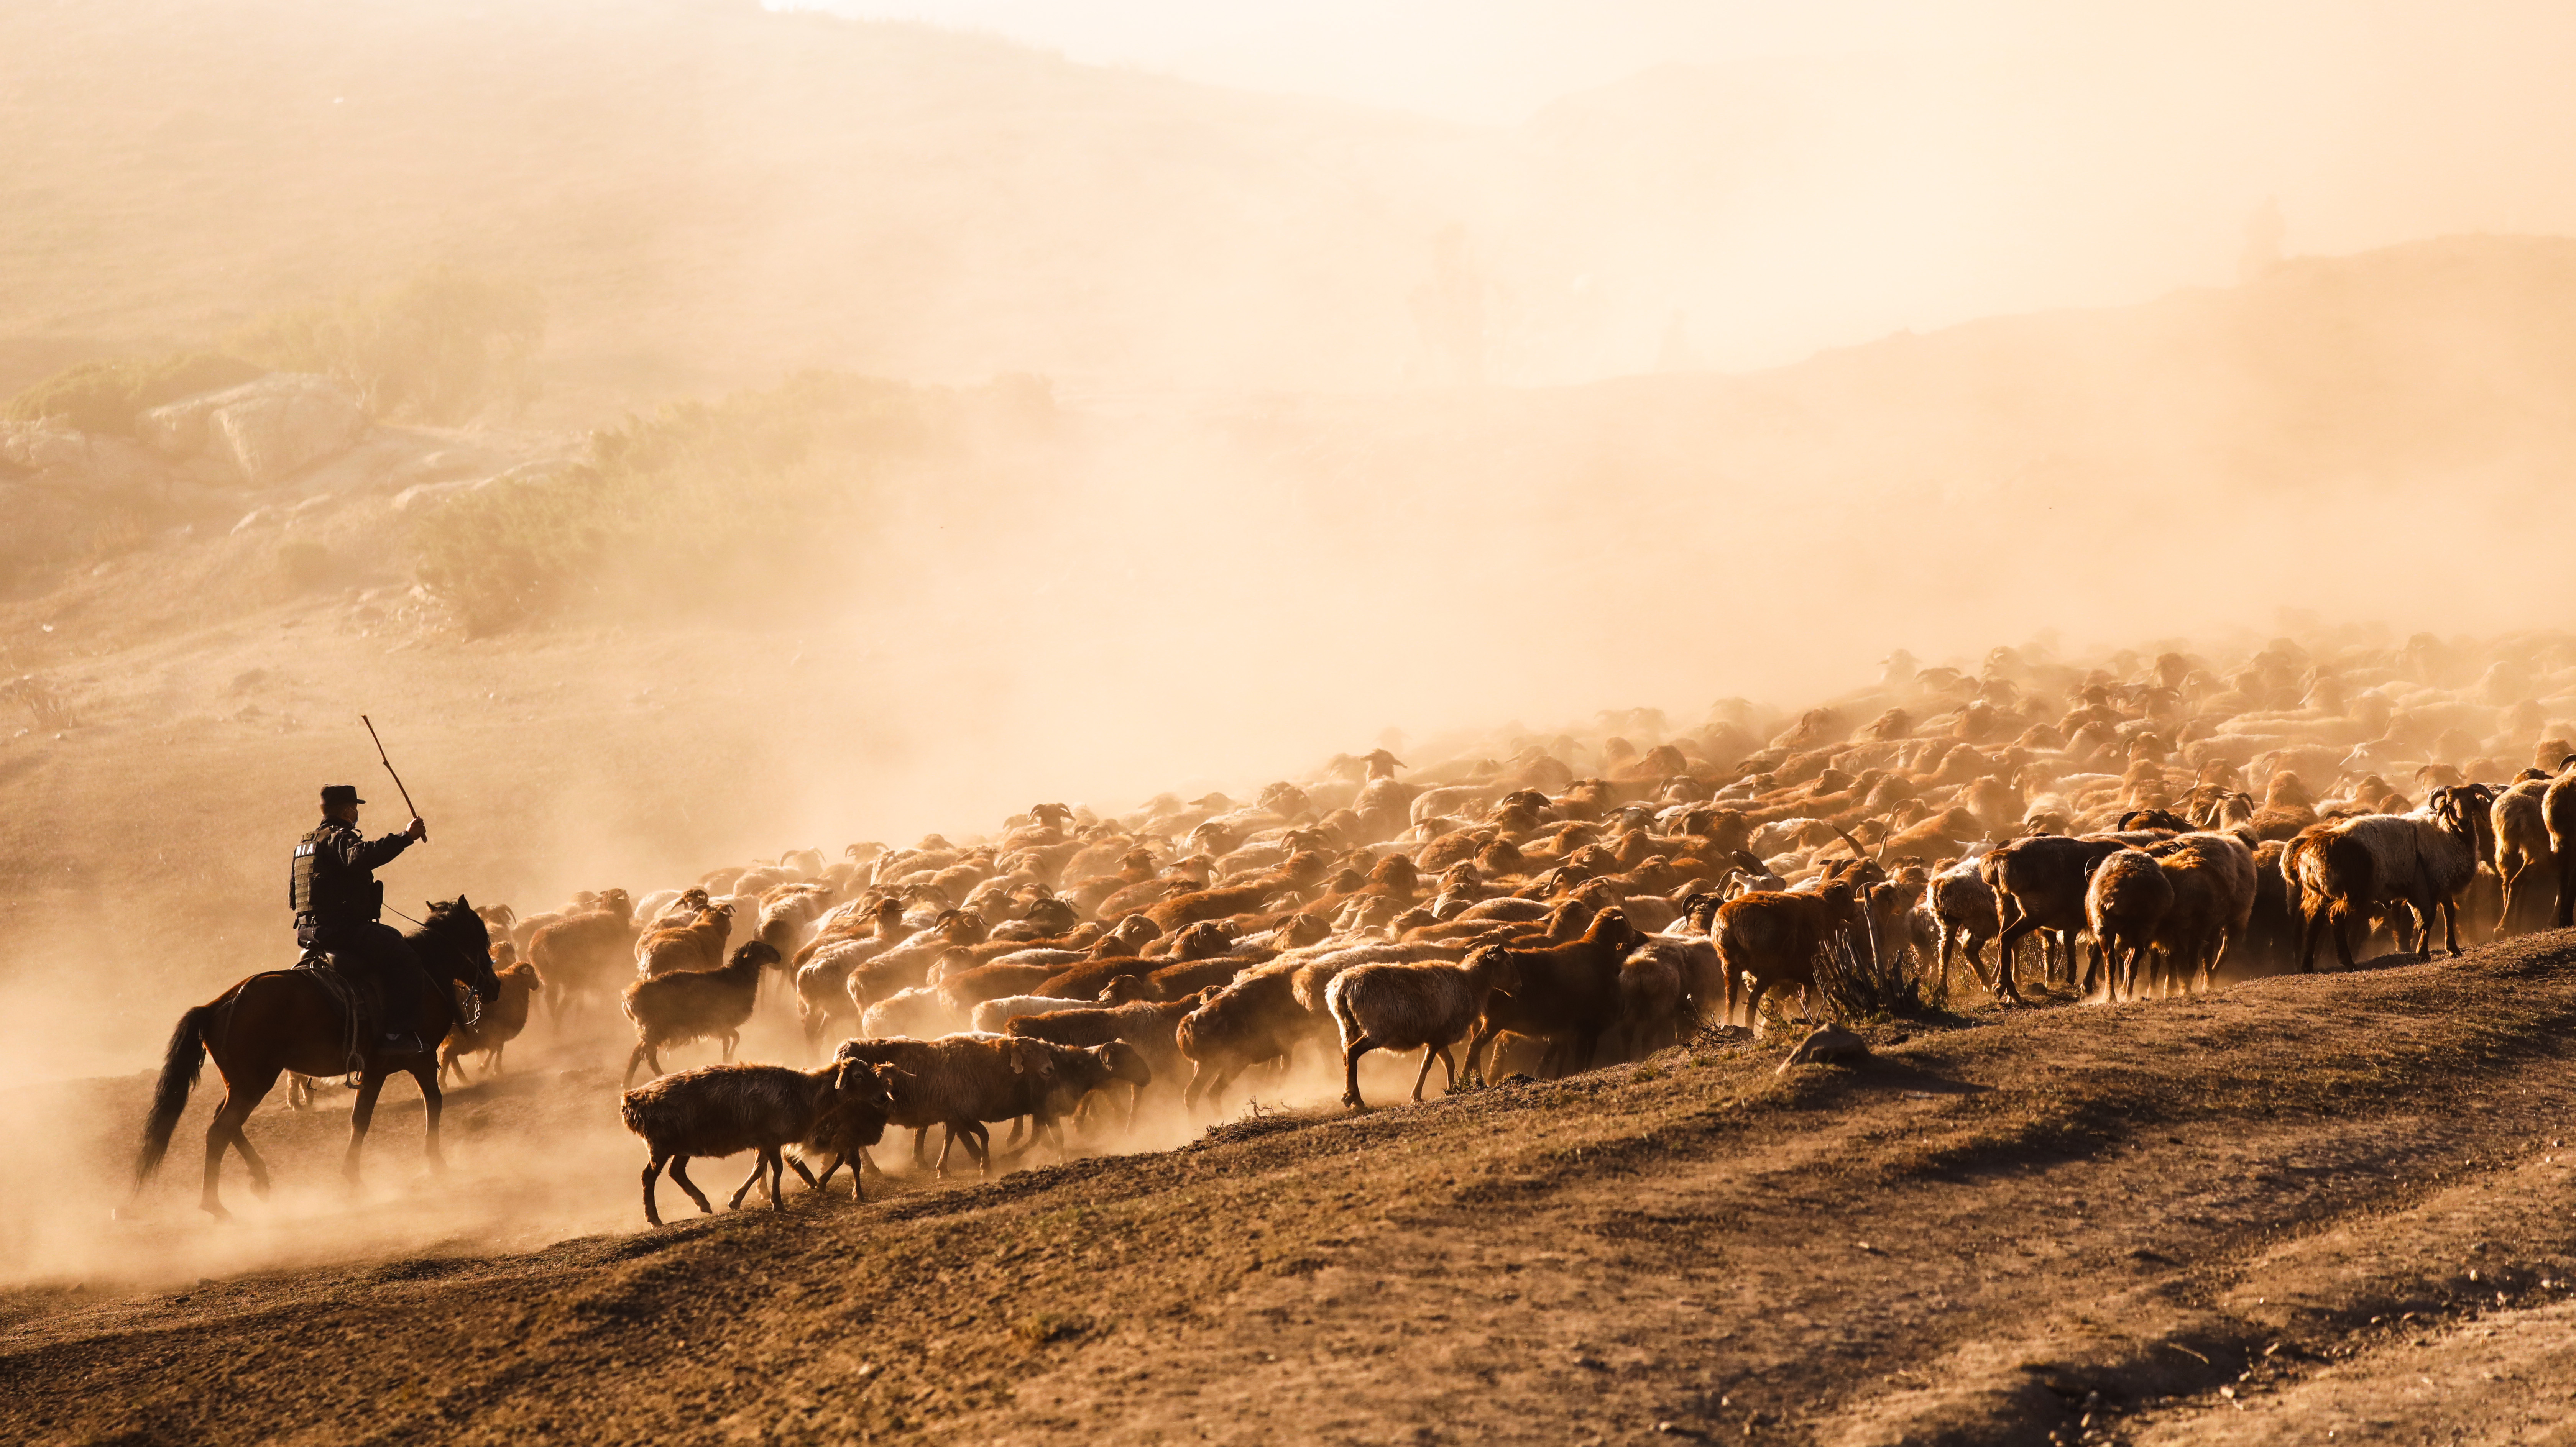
[1336, 421]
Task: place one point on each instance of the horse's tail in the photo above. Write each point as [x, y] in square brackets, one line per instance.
[179, 1066]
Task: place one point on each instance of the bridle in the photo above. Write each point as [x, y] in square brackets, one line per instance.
[464, 957]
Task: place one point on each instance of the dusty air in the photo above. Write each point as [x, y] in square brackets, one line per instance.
[888, 721]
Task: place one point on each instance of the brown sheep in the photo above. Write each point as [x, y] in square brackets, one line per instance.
[2125, 901]
[721, 1110]
[2525, 858]
[1566, 994]
[1426, 1006]
[690, 1005]
[2558, 810]
[2346, 870]
[2039, 885]
[578, 953]
[499, 1023]
[699, 945]
[1151, 1027]
[1250, 1022]
[1772, 938]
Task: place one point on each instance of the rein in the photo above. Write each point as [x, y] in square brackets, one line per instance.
[473, 999]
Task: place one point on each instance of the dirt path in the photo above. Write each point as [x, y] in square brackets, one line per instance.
[2230, 1219]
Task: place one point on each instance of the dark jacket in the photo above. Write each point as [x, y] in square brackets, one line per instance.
[333, 875]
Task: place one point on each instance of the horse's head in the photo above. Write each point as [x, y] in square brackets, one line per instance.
[456, 924]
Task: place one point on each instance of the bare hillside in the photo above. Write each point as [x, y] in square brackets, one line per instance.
[2301, 1209]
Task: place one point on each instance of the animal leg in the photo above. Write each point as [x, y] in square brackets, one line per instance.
[773, 1159]
[251, 1159]
[1424, 1075]
[759, 1168]
[433, 1103]
[222, 1132]
[680, 1178]
[652, 1216]
[1449, 1071]
[1753, 1005]
[635, 1059]
[732, 1038]
[359, 1116]
[1477, 1056]
[2004, 943]
[1351, 1072]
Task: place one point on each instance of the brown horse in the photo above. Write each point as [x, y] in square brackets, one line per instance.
[290, 1020]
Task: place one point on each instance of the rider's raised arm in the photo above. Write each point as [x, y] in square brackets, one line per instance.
[362, 853]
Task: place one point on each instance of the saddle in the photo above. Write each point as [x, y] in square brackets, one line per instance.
[358, 1000]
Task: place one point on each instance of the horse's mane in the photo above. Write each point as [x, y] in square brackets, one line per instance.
[455, 924]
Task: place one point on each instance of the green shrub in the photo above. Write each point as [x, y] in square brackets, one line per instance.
[442, 347]
[106, 396]
[708, 506]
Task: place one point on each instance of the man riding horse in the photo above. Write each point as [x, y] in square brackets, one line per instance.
[339, 907]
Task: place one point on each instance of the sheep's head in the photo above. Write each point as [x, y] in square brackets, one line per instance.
[1052, 915]
[1125, 1062]
[1496, 967]
[857, 1083]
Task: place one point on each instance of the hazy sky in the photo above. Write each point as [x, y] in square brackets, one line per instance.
[1791, 176]
[1477, 60]
[1497, 60]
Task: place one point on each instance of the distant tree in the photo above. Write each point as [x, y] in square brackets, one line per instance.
[442, 347]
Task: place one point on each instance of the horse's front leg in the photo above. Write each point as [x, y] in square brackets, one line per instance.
[431, 1102]
[369, 1083]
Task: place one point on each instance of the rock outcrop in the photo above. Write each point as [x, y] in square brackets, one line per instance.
[259, 431]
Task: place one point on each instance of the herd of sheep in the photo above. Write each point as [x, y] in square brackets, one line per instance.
[2128, 827]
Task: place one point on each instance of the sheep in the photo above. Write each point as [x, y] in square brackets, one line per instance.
[2039, 885]
[578, 951]
[1965, 916]
[1254, 1020]
[1770, 938]
[1149, 1026]
[1658, 982]
[921, 1010]
[2343, 871]
[991, 1017]
[2558, 810]
[2123, 903]
[962, 1082]
[1426, 1006]
[2524, 853]
[499, 1022]
[719, 1110]
[690, 1005]
[698, 945]
[1566, 994]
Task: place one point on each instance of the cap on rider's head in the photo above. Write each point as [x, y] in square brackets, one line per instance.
[334, 795]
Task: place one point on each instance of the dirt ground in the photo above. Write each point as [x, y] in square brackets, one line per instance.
[2303, 1209]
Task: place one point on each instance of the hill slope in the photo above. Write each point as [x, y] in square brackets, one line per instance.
[2245, 1217]
[707, 193]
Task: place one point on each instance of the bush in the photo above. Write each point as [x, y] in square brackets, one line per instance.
[441, 348]
[714, 505]
[106, 396]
